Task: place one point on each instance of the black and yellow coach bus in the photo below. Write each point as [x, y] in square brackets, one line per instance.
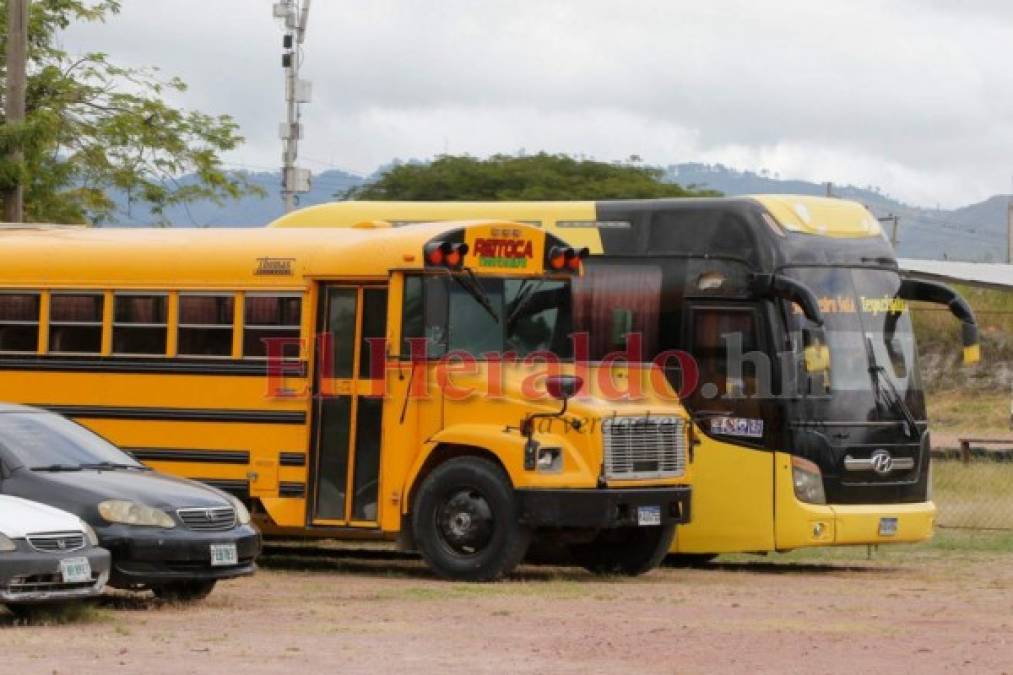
[803, 381]
[369, 382]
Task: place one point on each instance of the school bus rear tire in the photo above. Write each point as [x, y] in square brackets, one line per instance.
[631, 551]
[465, 521]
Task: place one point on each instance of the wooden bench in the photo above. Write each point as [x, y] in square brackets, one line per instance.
[965, 445]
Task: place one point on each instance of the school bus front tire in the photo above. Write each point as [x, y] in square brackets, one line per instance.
[631, 551]
[465, 521]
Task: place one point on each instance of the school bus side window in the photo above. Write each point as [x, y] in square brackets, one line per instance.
[140, 323]
[19, 322]
[75, 323]
[205, 325]
[270, 317]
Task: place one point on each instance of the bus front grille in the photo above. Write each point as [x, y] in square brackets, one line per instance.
[644, 447]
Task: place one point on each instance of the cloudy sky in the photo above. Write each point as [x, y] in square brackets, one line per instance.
[913, 96]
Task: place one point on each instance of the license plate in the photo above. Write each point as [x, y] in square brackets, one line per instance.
[648, 516]
[75, 570]
[887, 527]
[224, 555]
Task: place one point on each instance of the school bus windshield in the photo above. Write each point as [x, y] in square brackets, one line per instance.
[489, 315]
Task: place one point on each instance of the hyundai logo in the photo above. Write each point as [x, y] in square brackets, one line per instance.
[882, 462]
[61, 544]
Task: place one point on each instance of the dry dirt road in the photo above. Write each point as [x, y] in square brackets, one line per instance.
[918, 612]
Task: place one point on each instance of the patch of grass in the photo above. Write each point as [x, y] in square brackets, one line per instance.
[968, 411]
[945, 543]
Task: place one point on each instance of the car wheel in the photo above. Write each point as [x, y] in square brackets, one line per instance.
[630, 550]
[465, 521]
[184, 591]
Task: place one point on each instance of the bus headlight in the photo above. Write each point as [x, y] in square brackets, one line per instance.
[6, 545]
[550, 460]
[242, 513]
[808, 481]
[132, 513]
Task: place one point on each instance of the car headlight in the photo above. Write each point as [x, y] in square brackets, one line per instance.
[89, 532]
[6, 544]
[132, 513]
[808, 481]
[242, 513]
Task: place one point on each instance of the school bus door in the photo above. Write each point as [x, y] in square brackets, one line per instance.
[347, 408]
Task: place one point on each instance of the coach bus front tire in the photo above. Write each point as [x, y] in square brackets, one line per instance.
[631, 551]
[465, 521]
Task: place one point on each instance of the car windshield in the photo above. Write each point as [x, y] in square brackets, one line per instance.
[862, 312]
[44, 440]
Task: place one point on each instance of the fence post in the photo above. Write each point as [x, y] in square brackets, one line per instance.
[965, 451]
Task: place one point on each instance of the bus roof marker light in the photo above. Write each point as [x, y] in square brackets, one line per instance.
[445, 254]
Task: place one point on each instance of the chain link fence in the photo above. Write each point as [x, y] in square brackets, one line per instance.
[973, 486]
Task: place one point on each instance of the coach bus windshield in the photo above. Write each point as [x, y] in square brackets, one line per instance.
[485, 315]
[868, 331]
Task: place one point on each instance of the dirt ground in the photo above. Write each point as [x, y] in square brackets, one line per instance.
[914, 611]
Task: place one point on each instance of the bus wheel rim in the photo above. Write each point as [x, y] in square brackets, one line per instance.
[464, 522]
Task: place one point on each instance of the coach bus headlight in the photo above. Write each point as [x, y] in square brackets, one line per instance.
[808, 481]
[242, 513]
[6, 544]
[132, 513]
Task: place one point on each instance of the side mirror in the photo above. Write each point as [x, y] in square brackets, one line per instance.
[563, 387]
[560, 387]
[941, 294]
[817, 359]
[786, 288]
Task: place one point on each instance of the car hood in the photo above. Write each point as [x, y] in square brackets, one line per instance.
[20, 517]
[81, 491]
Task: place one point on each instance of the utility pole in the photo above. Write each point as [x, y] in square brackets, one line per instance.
[14, 108]
[1009, 230]
[895, 219]
[293, 15]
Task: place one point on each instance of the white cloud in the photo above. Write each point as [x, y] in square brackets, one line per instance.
[915, 96]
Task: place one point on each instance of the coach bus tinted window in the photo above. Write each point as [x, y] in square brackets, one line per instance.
[75, 323]
[139, 324]
[205, 325]
[19, 322]
[269, 317]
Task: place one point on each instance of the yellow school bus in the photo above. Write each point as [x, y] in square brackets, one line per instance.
[802, 375]
[413, 383]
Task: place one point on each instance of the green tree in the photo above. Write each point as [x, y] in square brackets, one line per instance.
[93, 127]
[531, 177]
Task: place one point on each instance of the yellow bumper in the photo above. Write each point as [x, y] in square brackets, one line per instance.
[847, 524]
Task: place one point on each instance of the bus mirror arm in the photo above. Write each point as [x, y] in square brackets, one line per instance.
[941, 294]
[559, 387]
[785, 288]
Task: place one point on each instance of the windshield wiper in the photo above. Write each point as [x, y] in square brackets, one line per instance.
[476, 291]
[523, 299]
[57, 467]
[113, 466]
[886, 389]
